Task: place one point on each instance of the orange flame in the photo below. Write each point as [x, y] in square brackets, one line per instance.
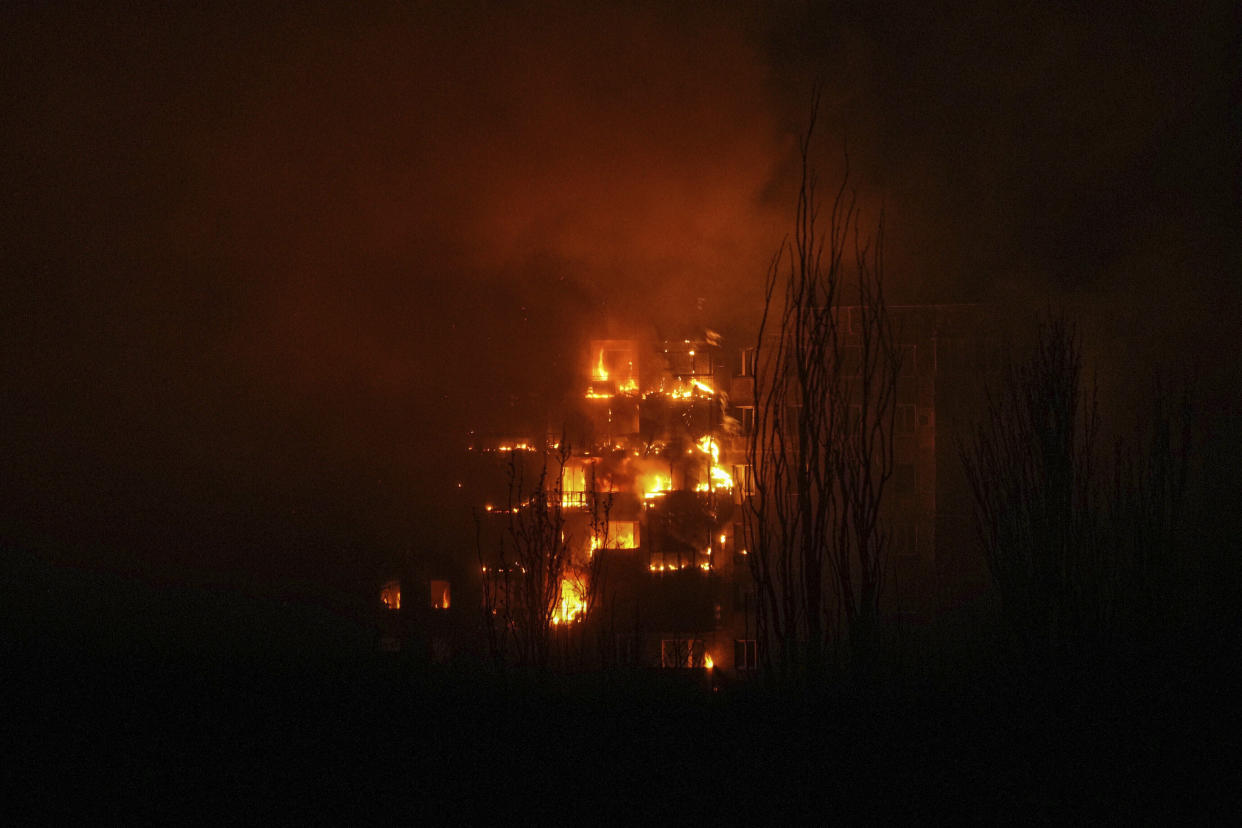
[572, 603]
[656, 484]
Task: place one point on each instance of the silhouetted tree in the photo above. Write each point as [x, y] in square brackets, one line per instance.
[1076, 560]
[1029, 465]
[534, 571]
[821, 451]
[1146, 508]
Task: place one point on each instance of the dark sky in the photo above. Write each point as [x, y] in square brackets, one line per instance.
[264, 268]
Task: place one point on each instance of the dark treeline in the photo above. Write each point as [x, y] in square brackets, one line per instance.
[148, 700]
[279, 730]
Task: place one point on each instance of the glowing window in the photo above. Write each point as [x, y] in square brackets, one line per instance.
[573, 485]
[743, 482]
[390, 594]
[682, 653]
[746, 415]
[746, 362]
[745, 654]
[623, 534]
[441, 595]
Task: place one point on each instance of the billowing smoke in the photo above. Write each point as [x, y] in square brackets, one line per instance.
[276, 264]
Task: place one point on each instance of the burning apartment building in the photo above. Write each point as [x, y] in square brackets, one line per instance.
[614, 530]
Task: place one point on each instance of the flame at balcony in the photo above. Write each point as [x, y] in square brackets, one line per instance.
[612, 372]
[572, 603]
[601, 372]
[720, 479]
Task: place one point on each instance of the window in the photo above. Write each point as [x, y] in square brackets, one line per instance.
[740, 553]
[601, 388]
[908, 364]
[745, 654]
[390, 594]
[573, 485]
[903, 479]
[746, 414]
[622, 534]
[746, 362]
[743, 481]
[627, 649]
[682, 653]
[905, 419]
[742, 390]
[674, 560]
[742, 598]
[440, 595]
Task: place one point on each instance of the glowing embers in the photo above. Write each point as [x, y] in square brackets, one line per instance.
[572, 604]
[669, 562]
[515, 447]
[506, 446]
[390, 595]
[683, 389]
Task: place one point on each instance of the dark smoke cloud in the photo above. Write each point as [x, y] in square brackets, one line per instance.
[267, 267]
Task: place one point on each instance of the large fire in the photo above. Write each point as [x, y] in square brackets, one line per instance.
[621, 534]
[719, 478]
[612, 371]
[654, 485]
[625, 459]
[684, 389]
[572, 603]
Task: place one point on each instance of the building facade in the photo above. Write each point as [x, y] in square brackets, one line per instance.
[643, 469]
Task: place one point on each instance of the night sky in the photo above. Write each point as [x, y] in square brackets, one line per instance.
[263, 269]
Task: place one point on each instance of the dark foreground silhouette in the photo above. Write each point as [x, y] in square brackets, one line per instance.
[230, 709]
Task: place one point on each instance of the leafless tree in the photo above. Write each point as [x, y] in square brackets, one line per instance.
[533, 563]
[821, 451]
[1076, 561]
[1030, 468]
[1146, 512]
